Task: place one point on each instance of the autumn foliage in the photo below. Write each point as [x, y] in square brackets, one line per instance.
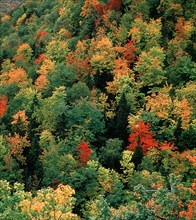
[101, 9]
[114, 4]
[191, 212]
[18, 144]
[40, 34]
[82, 67]
[142, 136]
[192, 159]
[163, 106]
[99, 95]
[129, 52]
[15, 75]
[3, 105]
[39, 59]
[84, 153]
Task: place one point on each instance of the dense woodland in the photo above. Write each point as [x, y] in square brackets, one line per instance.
[97, 110]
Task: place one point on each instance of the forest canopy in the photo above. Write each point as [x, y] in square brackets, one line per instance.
[97, 110]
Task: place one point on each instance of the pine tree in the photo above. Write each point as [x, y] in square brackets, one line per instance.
[137, 156]
[121, 119]
[32, 153]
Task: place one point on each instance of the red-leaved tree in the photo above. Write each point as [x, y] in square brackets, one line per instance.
[141, 136]
[40, 34]
[84, 153]
[129, 53]
[3, 105]
[114, 5]
[39, 59]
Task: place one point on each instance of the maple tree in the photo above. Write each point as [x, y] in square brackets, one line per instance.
[18, 144]
[3, 105]
[20, 115]
[57, 50]
[142, 136]
[18, 76]
[114, 4]
[40, 34]
[39, 59]
[163, 106]
[84, 153]
[121, 68]
[101, 9]
[190, 213]
[82, 66]
[40, 37]
[160, 104]
[129, 52]
[189, 92]
[20, 122]
[184, 111]
[46, 66]
[80, 61]
[41, 83]
[103, 56]
[151, 30]
[15, 75]
[23, 56]
[183, 29]
[166, 146]
[150, 66]
[88, 6]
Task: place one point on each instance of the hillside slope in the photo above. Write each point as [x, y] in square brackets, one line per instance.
[98, 110]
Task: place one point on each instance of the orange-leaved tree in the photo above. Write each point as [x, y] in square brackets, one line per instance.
[88, 7]
[15, 75]
[3, 105]
[84, 153]
[17, 145]
[20, 122]
[141, 136]
[39, 59]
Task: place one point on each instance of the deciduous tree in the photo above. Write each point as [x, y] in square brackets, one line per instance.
[84, 153]
[3, 105]
[142, 136]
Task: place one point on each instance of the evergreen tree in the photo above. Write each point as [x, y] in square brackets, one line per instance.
[34, 167]
[121, 120]
[137, 156]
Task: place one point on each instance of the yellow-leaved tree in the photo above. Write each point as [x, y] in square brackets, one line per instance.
[103, 55]
[48, 203]
[41, 83]
[15, 75]
[162, 106]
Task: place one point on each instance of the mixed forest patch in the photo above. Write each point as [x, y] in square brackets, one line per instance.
[97, 110]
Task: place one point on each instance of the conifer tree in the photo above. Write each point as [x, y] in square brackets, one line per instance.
[121, 119]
